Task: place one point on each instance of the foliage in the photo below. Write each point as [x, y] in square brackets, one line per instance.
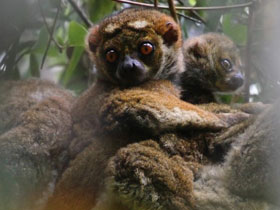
[22, 55]
[22, 50]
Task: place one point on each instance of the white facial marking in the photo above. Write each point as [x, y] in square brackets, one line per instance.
[110, 28]
[138, 24]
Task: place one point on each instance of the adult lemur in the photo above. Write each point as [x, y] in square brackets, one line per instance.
[138, 54]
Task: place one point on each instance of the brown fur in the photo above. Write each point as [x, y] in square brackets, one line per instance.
[33, 145]
[146, 175]
[122, 117]
[17, 97]
[107, 118]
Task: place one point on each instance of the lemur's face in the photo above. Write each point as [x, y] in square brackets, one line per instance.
[214, 60]
[134, 46]
[228, 68]
[131, 56]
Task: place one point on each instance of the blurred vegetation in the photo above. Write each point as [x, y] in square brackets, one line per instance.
[27, 48]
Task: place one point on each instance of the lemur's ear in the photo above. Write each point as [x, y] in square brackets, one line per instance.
[169, 30]
[196, 47]
[171, 34]
[93, 38]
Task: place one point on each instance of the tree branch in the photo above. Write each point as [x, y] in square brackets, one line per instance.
[47, 26]
[81, 13]
[156, 3]
[196, 14]
[51, 34]
[236, 6]
[191, 18]
[172, 10]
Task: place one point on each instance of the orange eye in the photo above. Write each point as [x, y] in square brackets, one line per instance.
[111, 56]
[146, 48]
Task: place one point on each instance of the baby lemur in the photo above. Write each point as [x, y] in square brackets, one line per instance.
[137, 54]
[213, 64]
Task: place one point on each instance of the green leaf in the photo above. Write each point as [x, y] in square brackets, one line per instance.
[192, 2]
[238, 32]
[34, 66]
[75, 58]
[76, 34]
[60, 36]
[99, 9]
[225, 99]
[41, 44]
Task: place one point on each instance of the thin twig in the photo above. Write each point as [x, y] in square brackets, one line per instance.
[197, 19]
[236, 6]
[198, 16]
[180, 2]
[81, 13]
[48, 28]
[190, 18]
[172, 10]
[248, 54]
[51, 34]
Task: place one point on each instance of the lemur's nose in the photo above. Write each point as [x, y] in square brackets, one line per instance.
[236, 80]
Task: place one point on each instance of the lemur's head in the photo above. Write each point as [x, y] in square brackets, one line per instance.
[136, 45]
[213, 59]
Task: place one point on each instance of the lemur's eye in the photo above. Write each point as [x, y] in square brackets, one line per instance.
[226, 64]
[111, 56]
[146, 48]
